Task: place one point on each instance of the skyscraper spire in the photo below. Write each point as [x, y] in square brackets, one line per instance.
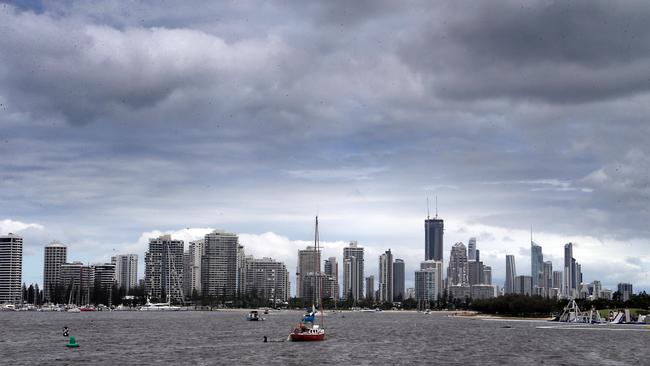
[428, 207]
[436, 207]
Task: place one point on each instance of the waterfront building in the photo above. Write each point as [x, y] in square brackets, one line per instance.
[219, 265]
[572, 273]
[126, 270]
[625, 290]
[583, 292]
[308, 262]
[471, 250]
[267, 279]
[487, 275]
[370, 287]
[11, 268]
[460, 292]
[386, 277]
[163, 273]
[332, 270]
[536, 264]
[433, 238]
[457, 272]
[410, 293]
[55, 254]
[524, 285]
[104, 277]
[77, 280]
[399, 280]
[511, 273]
[547, 275]
[482, 292]
[353, 271]
[428, 281]
[311, 287]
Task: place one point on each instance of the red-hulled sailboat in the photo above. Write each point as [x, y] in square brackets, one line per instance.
[308, 331]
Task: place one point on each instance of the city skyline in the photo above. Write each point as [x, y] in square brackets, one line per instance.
[116, 128]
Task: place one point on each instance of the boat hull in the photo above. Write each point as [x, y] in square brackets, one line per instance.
[307, 337]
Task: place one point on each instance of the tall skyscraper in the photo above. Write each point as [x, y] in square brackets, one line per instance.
[308, 262]
[428, 281]
[511, 273]
[11, 268]
[547, 275]
[104, 275]
[524, 285]
[55, 254]
[475, 273]
[386, 277]
[267, 279]
[399, 280]
[332, 271]
[163, 274]
[126, 270]
[219, 265]
[557, 280]
[471, 250]
[370, 287]
[433, 239]
[78, 281]
[353, 271]
[457, 272]
[625, 290]
[572, 273]
[536, 263]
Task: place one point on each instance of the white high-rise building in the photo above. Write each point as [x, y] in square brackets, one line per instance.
[126, 270]
[55, 254]
[471, 250]
[267, 279]
[308, 263]
[428, 281]
[458, 270]
[11, 268]
[192, 276]
[163, 274]
[511, 273]
[219, 265]
[332, 271]
[353, 271]
[386, 277]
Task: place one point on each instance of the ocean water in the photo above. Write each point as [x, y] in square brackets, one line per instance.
[385, 338]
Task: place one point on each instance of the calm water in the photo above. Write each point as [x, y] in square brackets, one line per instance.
[208, 338]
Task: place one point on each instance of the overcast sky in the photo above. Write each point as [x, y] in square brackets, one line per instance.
[123, 120]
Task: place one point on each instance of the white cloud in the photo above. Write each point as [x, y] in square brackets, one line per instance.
[12, 226]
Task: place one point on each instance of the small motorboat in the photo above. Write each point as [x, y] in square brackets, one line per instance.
[253, 316]
[87, 308]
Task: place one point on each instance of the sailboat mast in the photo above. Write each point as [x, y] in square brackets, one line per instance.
[319, 276]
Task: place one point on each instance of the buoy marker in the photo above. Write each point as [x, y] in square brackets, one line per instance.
[72, 343]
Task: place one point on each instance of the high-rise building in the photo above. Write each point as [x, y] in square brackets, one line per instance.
[487, 275]
[471, 250]
[192, 269]
[370, 287]
[625, 290]
[163, 274]
[482, 291]
[104, 275]
[386, 277]
[78, 281]
[524, 285]
[597, 287]
[11, 268]
[332, 270]
[457, 272]
[353, 271]
[126, 270]
[433, 238]
[55, 254]
[475, 273]
[557, 280]
[569, 271]
[219, 265]
[308, 262]
[399, 280]
[267, 279]
[428, 281]
[547, 275]
[511, 273]
[536, 263]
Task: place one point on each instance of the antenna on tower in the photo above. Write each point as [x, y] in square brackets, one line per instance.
[427, 207]
[436, 207]
[531, 234]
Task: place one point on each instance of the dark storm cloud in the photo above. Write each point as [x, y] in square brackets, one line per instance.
[559, 52]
